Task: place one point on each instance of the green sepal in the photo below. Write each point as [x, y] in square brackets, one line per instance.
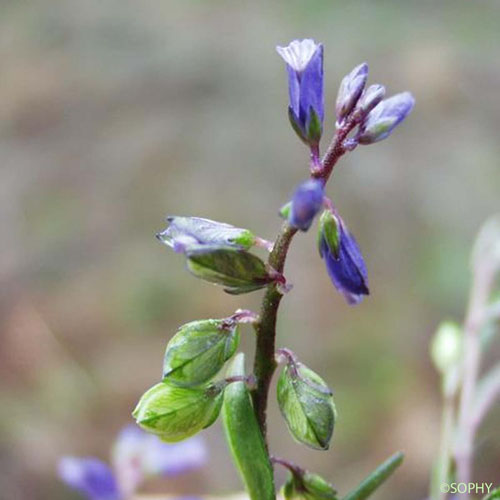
[493, 495]
[329, 231]
[296, 126]
[198, 351]
[308, 487]
[376, 478]
[285, 210]
[237, 270]
[314, 128]
[244, 437]
[307, 406]
[176, 413]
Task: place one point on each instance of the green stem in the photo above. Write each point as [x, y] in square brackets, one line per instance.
[265, 362]
[443, 464]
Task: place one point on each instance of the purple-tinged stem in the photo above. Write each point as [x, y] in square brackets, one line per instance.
[476, 315]
[264, 361]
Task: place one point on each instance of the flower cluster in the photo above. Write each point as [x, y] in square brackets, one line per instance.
[192, 394]
[363, 117]
[135, 457]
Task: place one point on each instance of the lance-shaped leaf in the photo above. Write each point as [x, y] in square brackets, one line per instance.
[494, 495]
[308, 486]
[237, 270]
[244, 436]
[176, 413]
[307, 405]
[376, 478]
[199, 350]
[185, 233]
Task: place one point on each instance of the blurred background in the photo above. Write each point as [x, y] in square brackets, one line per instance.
[114, 114]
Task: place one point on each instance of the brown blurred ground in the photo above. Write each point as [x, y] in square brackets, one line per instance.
[113, 114]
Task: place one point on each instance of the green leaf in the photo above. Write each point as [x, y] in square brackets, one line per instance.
[308, 487]
[237, 270]
[376, 478]
[176, 413]
[197, 352]
[494, 495]
[245, 438]
[186, 233]
[307, 405]
[328, 230]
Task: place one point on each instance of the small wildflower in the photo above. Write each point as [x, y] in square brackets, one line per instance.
[304, 62]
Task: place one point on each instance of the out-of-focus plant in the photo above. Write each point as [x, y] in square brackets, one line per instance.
[135, 456]
[187, 399]
[457, 351]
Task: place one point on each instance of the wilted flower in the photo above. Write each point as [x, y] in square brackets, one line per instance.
[304, 62]
[306, 203]
[344, 262]
[351, 88]
[186, 233]
[385, 117]
[136, 455]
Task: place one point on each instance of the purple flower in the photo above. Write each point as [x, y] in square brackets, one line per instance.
[369, 99]
[385, 117]
[304, 63]
[306, 203]
[350, 90]
[344, 262]
[136, 455]
[90, 476]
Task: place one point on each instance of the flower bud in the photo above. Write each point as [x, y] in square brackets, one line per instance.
[343, 259]
[176, 413]
[446, 346]
[308, 486]
[306, 203]
[307, 406]
[186, 233]
[370, 98]
[385, 117]
[304, 63]
[199, 350]
[350, 90]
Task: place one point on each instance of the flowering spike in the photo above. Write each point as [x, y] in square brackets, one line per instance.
[350, 90]
[385, 117]
[347, 269]
[306, 203]
[304, 63]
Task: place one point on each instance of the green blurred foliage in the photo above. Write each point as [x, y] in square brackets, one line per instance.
[114, 114]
